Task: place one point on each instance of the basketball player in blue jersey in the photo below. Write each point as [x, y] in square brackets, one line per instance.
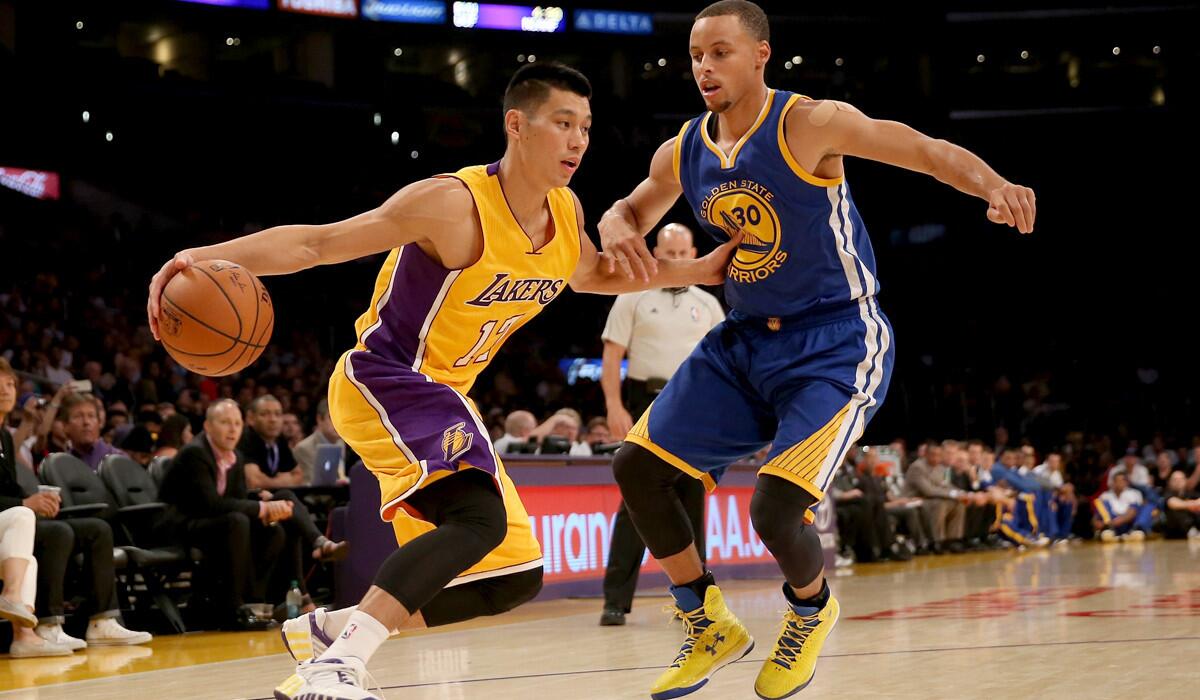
[473, 256]
[805, 356]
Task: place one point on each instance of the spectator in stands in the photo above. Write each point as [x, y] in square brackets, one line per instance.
[863, 522]
[568, 428]
[271, 466]
[138, 444]
[1164, 467]
[979, 513]
[1136, 472]
[597, 432]
[55, 542]
[324, 434]
[1121, 512]
[270, 463]
[1182, 508]
[18, 571]
[176, 432]
[80, 415]
[292, 431]
[210, 509]
[1050, 473]
[521, 428]
[928, 480]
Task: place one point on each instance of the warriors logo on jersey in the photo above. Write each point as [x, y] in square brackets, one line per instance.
[744, 206]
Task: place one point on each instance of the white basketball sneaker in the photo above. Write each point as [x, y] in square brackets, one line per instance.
[328, 679]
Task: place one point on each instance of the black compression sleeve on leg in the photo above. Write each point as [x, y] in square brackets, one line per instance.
[489, 596]
[648, 487]
[471, 521]
[777, 512]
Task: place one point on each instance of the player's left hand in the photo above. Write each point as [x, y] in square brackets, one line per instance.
[1013, 205]
[713, 267]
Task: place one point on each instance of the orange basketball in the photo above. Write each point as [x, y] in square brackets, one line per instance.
[215, 318]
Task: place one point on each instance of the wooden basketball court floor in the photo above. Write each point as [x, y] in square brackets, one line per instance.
[1085, 621]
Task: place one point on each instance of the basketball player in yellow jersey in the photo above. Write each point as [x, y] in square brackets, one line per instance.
[474, 255]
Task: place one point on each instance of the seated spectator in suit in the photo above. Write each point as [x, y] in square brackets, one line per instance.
[862, 520]
[1121, 511]
[270, 463]
[1183, 508]
[271, 466]
[210, 509]
[81, 416]
[325, 434]
[928, 480]
[980, 512]
[57, 541]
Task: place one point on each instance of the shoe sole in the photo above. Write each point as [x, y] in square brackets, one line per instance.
[680, 692]
[282, 692]
[40, 654]
[802, 686]
[118, 642]
[283, 695]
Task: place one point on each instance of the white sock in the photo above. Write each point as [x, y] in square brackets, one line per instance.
[361, 638]
[334, 621]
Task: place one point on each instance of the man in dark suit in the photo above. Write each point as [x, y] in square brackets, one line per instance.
[210, 509]
[271, 466]
[270, 463]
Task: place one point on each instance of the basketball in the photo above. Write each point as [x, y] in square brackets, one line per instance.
[215, 318]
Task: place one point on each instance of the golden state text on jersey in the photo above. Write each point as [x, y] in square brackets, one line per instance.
[804, 247]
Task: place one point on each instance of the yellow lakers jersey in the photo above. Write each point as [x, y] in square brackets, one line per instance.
[447, 324]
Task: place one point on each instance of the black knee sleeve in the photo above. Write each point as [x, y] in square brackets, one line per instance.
[490, 596]
[471, 521]
[777, 512]
[648, 487]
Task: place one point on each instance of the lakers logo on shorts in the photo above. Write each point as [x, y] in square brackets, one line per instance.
[746, 209]
[456, 441]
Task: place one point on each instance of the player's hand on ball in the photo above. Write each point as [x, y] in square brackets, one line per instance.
[626, 247]
[1013, 205]
[715, 265]
[158, 283]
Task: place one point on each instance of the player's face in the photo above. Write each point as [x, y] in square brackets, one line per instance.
[557, 136]
[726, 60]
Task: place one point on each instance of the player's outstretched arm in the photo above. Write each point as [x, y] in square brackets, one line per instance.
[596, 274]
[624, 226]
[406, 217]
[841, 129]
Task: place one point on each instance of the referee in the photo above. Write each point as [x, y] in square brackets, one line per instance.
[657, 328]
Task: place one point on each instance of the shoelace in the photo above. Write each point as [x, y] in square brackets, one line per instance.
[346, 674]
[795, 633]
[691, 622]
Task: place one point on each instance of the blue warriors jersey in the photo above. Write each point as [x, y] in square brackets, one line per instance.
[805, 247]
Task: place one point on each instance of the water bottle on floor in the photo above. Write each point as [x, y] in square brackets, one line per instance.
[293, 600]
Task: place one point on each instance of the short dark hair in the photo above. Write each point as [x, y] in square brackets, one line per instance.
[258, 401]
[752, 16]
[530, 85]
